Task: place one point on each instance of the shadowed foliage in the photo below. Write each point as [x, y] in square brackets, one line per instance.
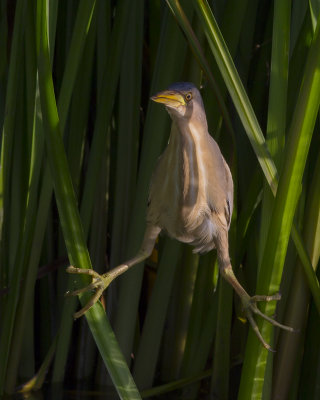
[80, 139]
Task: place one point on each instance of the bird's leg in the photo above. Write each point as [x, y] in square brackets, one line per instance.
[101, 282]
[249, 303]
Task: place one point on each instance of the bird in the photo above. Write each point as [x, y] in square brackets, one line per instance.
[190, 199]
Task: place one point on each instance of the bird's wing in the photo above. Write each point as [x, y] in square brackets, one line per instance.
[229, 193]
[220, 185]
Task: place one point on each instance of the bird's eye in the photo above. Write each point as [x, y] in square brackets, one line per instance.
[188, 96]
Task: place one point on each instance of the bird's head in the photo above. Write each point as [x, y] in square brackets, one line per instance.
[182, 101]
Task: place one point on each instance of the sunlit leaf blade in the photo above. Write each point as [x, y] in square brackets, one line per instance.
[287, 357]
[277, 106]
[69, 214]
[236, 90]
[299, 139]
[198, 52]
[245, 111]
[173, 317]
[248, 118]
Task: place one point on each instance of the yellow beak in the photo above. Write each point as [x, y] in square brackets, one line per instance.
[169, 98]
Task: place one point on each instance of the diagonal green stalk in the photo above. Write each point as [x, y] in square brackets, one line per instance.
[277, 107]
[31, 233]
[167, 332]
[250, 123]
[298, 303]
[197, 50]
[69, 214]
[236, 90]
[75, 142]
[246, 113]
[299, 138]
[107, 90]
[276, 125]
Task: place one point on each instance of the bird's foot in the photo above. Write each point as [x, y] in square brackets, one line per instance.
[250, 307]
[99, 284]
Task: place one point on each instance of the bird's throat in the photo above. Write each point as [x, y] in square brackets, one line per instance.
[190, 143]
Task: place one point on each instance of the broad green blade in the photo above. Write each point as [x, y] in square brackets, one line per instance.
[276, 124]
[277, 107]
[69, 214]
[299, 139]
[298, 304]
[197, 50]
[249, 121]
[79, 87]
[236, 90]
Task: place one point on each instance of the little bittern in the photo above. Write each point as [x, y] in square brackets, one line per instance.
[191, 198]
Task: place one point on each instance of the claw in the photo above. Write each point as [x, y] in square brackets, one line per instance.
[92, 286]
[257, 332]
[73, 270]
[251, 307]
[90, 303]
[99, 284]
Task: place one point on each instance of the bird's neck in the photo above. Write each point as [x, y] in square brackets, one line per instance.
[189, 142]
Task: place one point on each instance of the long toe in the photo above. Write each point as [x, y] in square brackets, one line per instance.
[271, 320]
[89, 271]
[251, 309]
[90, 303]
[99, 284]
[92, 286]
[274, 297]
